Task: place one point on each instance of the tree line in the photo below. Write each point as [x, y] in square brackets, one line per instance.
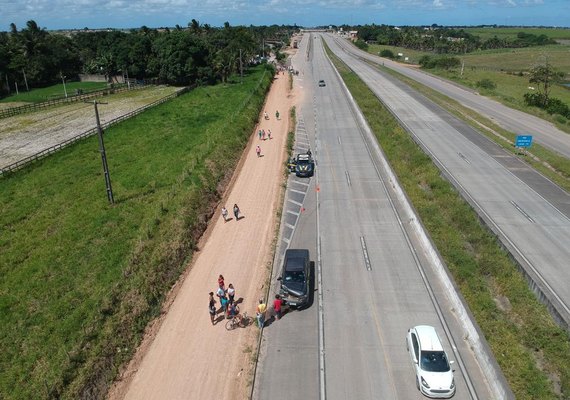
[196, 54]
[443, 40]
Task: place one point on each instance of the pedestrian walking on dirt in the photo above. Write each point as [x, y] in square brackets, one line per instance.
[231, 293]
[225, 214]
[258, 151]
[212, 308]
[269, 134]
[277, 304]
[261, 308]
[263, 134]
[259, 133]
[221, 282]
[277, 114]
[237, 211]
[265, 115]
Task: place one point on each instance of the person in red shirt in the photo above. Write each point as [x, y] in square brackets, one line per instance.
[277, 304]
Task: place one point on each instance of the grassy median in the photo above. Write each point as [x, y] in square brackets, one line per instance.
[531, 349]
[81, 278]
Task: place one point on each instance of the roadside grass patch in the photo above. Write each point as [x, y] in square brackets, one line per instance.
[80, 279]
[481, 269]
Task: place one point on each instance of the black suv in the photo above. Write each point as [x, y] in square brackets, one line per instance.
[295, 277]
[304, 165]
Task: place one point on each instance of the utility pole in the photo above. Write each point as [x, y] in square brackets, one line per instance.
[63, 80]
[103, 155]
[25, 80]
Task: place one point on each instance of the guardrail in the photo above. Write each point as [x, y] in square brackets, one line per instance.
[12, 111]
[50, 150]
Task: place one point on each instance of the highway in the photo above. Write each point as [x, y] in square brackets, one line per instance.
[529, 213]
[512, 120]
[375, 274]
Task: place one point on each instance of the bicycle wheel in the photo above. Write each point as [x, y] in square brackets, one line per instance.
[230, 325]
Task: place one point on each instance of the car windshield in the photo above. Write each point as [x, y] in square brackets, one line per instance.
[294, 277]
[434, 361]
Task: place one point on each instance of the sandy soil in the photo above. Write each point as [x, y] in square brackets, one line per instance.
[27, 134]
[182, 355]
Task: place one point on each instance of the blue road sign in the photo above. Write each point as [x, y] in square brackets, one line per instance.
[523, 141]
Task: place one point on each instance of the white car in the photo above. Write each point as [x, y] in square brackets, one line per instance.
[434, 377]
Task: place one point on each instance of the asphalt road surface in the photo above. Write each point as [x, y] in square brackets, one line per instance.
[518, 122]
[373, 279]
[529, 213]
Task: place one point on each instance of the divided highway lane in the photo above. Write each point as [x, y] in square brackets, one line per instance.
[535, 230]
[515, 121]
[370, 298]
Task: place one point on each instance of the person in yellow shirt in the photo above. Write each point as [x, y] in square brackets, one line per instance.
[261, 309]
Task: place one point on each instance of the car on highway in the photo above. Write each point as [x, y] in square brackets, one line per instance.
[295, 277]
[434, 376]
[304, 165]
[322, 83]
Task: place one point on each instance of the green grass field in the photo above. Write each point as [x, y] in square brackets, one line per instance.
[508, 69]
[511, 33]
[80, 278]
[530, 348]
[51, 92]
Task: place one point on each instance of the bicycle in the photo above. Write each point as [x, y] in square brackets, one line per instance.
[239, 320]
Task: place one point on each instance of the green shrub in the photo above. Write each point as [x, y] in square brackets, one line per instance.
[387, 53]
[361, 44]
[486, 84]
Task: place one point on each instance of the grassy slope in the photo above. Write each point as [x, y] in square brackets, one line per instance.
[531, 349]
[79, 279]
[502, 67]
[52, 92]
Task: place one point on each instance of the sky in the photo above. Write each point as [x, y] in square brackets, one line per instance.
[78, 14]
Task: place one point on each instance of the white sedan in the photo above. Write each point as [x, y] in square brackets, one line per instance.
[434, 377]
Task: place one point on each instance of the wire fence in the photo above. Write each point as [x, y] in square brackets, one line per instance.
[12, 111]
[52, 149]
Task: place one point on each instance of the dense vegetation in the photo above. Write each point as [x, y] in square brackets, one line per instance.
[182, 56]
[444, 40]
[80, 279]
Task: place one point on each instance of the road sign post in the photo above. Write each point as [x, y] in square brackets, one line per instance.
[523, 141]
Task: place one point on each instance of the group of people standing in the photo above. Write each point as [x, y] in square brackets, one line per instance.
[226, 297]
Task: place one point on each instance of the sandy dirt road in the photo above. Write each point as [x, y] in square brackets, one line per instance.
[183, 356]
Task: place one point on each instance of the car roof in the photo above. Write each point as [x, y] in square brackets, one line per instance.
[303, 157]
[427, 336]
[295, 259]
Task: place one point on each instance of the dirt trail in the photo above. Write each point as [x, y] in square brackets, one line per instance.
[183, 356]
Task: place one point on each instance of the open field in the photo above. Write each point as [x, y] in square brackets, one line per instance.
[50, 92]
[511, 33]
[81, 278]
[530, 348]
[508, 69]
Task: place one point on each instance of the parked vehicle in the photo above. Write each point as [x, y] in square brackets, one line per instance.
[295, 277]
[434, 377]
[304, 165]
